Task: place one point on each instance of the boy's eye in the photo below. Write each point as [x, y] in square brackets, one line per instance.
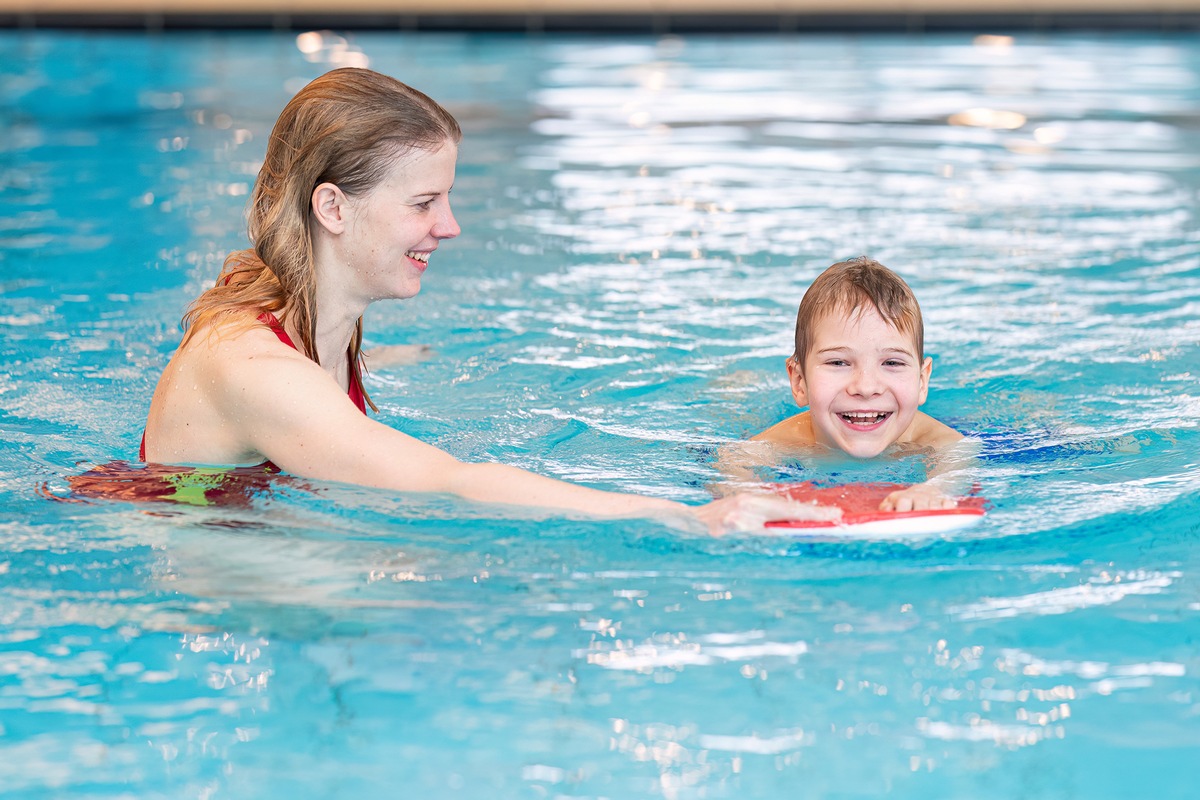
[895, 362]
[837, 362]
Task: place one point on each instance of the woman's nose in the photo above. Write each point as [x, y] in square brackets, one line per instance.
[447, 225]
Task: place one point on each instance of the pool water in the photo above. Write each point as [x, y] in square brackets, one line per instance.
[641, 217]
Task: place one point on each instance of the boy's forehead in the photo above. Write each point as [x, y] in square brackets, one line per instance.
[852, 314]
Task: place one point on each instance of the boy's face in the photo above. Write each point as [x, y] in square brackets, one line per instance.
[862, 382]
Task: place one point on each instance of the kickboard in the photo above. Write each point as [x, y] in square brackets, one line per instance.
[861, 517]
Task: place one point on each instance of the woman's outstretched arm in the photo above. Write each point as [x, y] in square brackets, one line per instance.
[279, 404]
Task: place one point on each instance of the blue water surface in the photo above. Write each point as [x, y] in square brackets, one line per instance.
[640, 219]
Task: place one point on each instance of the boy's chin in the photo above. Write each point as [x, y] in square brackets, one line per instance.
[866, 453]
[856, 451]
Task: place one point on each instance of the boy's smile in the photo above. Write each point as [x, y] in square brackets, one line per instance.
[862, 381]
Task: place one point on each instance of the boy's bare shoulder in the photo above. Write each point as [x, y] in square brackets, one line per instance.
[931, 433]
[739, 461]
[795, 431]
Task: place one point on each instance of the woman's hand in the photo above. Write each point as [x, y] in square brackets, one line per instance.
[749, 512]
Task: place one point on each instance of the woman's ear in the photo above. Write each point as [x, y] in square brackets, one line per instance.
[796, 379]
[330, 207]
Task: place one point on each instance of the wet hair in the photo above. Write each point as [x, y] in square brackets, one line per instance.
[348, 127]
[851, 285]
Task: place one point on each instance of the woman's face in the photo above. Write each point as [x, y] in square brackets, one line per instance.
[392, 230]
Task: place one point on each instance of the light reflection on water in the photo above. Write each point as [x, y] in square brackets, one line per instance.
[640, 218]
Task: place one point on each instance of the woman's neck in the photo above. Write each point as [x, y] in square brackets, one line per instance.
[338, 307]
[334, 331]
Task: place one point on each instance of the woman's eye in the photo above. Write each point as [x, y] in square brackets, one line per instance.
[426, 205]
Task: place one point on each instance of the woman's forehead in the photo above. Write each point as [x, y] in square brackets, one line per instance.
[418, 166]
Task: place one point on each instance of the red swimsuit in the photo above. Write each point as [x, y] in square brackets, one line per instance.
[268, 319]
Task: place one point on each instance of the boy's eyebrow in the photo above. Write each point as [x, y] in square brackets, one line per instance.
[841, 348]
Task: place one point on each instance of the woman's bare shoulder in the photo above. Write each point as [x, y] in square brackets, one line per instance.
[220, 377]
[235, 344]
[232, 365]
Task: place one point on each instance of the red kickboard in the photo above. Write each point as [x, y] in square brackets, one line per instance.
[859, 503]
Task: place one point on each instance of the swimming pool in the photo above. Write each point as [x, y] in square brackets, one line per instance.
[641, 217]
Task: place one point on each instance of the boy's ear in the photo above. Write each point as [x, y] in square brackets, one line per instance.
[926, 371]
[330, 207]
[796, 379]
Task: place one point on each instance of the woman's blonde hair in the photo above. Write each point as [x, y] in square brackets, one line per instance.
[347, 127]
[850, 285]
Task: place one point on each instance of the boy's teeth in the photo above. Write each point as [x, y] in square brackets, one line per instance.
[875, 416]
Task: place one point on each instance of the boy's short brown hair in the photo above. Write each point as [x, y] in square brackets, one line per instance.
[849, 286]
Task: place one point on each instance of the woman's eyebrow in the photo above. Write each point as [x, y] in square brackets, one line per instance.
[432, 193]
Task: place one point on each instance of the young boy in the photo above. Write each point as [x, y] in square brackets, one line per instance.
[860, 369]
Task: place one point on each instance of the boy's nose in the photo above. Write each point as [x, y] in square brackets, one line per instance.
[865, 383]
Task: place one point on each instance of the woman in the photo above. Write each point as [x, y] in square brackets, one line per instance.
[351, 202]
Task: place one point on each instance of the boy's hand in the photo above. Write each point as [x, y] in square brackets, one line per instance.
[397, 355]
[918, 497]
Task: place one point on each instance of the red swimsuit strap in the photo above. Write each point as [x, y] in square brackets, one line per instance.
[355, 390]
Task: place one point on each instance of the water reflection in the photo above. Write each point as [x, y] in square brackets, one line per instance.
[643, 218]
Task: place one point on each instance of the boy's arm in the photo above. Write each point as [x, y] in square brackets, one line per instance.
[739, 462]
[949, 472]
[950, 476]
[396, 355]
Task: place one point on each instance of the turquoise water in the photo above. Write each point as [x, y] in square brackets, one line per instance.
[641, 217]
